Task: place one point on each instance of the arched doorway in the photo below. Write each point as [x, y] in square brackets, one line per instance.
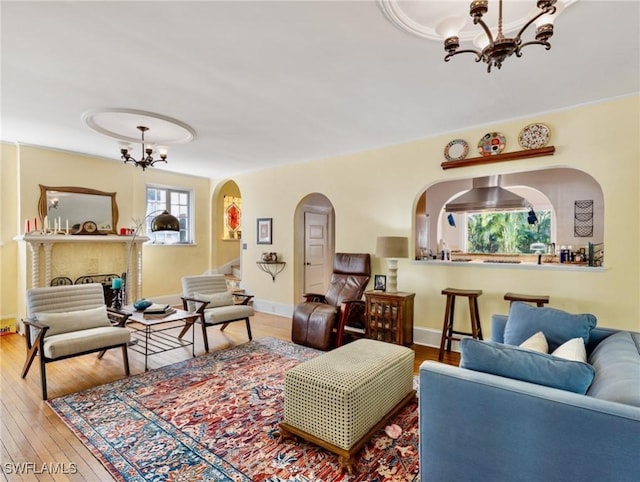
[314, 244]
[226, 225]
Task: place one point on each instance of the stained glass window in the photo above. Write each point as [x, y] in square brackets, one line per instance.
[232, 217]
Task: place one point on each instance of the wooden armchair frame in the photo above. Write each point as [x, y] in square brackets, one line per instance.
[35, 346]
[201, 306]
[217, 283]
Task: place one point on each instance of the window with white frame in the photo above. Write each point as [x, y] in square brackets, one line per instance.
[175, 201]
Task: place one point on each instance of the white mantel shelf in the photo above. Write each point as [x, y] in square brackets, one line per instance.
[46, 242]
[79, 238]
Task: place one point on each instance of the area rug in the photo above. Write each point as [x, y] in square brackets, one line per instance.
[215, 418]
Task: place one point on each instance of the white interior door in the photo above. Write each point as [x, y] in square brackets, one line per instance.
[315, 253]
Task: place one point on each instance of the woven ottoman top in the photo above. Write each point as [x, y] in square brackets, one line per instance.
[351, 365]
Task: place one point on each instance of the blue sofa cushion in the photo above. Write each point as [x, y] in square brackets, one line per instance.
[558, 326]
[616, 360]
[526, 365]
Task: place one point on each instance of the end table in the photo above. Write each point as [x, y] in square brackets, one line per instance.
[390, 316]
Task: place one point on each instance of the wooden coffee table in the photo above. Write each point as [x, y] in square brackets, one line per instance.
[151, 332]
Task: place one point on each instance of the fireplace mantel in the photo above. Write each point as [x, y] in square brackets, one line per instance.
[41, 266]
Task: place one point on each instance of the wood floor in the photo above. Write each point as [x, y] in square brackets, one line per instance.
[35, 440]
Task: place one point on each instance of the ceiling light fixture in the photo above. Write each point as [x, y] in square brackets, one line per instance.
[499, 48]
[147, 159]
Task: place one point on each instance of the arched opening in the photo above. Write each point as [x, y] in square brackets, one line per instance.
[314, 228]
[563, 206]
[227, 230]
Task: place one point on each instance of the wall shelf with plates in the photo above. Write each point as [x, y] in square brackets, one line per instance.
[507, 156]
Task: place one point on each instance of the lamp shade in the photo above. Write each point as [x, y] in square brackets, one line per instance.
[392, 247]
[165, 222]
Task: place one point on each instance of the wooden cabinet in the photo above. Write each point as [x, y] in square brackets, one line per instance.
[390, 316]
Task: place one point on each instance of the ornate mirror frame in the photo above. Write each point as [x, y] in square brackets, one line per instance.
[74, 200]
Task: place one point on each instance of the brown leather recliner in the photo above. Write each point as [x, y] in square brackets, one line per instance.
[320, 316]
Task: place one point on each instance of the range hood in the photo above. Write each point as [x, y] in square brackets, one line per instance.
[486, 194]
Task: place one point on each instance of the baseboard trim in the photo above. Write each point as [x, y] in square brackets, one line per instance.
[273, 307]
[431, 337]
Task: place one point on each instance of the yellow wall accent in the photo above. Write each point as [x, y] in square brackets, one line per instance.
[374, 193]
[8, 227]
[163, 265]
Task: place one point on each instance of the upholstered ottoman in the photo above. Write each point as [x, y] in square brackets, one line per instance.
[340, 399]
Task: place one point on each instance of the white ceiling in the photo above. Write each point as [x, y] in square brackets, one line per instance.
[268, 83]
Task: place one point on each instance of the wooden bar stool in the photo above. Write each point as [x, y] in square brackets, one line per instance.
[474, 316]
[539, 300]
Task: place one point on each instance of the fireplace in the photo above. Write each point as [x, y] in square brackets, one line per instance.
[77, 259]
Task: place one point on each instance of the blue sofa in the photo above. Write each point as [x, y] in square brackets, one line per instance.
[476, 426]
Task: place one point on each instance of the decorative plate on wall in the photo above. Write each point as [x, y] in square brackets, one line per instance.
[456, 150]
[492, 143]
[534, 136]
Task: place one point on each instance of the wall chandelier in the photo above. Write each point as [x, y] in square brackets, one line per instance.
[147, 159]
[499, 48]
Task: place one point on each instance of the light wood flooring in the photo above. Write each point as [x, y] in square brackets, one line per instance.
[32, 434]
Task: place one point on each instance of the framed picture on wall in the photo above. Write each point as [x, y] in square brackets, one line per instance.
[380, 282]
[264, 231]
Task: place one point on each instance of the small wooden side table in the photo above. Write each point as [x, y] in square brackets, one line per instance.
[390, 316]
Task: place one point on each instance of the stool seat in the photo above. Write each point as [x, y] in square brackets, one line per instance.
[457, 292]
[539, 300]
[474, 318]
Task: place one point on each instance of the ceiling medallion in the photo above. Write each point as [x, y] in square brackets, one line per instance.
[442, 20]
[155, 129]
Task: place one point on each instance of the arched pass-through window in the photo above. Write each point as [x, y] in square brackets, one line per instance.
[561, 208]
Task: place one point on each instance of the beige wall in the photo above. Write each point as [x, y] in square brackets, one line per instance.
[375, 193]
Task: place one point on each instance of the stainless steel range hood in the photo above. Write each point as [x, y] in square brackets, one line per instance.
[486, 194]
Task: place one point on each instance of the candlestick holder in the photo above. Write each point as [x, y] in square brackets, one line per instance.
[117, 298]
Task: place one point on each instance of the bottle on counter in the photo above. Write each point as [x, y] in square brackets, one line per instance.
[443, 250]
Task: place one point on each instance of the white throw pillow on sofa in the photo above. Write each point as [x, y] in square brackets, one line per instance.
[572, 350]
[537, 342]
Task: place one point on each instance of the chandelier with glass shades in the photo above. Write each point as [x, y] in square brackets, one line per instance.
[494, 51]
[147, 159]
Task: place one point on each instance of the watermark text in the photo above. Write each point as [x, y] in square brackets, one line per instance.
[24, 468]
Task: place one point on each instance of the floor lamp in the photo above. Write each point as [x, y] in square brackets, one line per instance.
[162, 222]
[392, 248]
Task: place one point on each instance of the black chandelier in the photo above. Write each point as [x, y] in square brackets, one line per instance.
[501, 47]
[147, 159]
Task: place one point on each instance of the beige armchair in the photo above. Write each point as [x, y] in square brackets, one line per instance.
[69, 321]
[209, 296]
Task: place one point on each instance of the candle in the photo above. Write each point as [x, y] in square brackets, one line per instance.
[46, 223]
[116, 283]
[26, 226]
[59, 224]
[67, 227]
[35, 224]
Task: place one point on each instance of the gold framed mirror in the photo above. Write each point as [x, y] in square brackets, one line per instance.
[76, 205]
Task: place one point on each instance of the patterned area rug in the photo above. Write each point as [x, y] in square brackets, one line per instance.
[214, 418]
